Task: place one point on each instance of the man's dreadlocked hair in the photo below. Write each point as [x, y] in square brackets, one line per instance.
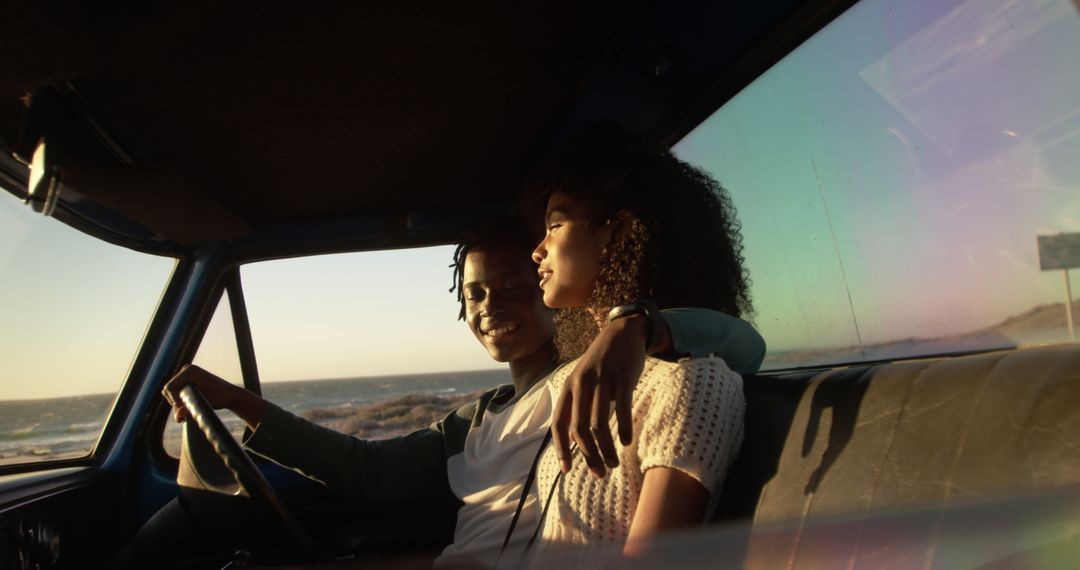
[508, 231]
[684, 249]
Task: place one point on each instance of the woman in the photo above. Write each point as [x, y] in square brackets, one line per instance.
[628, 225]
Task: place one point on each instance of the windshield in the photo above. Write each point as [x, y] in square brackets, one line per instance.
[73, 311]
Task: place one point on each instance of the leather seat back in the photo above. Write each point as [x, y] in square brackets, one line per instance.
[916, 433]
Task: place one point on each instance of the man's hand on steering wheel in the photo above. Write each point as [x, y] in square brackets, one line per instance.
[194, 394]
[218, 392]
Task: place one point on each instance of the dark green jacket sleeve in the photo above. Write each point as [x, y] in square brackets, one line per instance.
[698, 332]
[401, 468]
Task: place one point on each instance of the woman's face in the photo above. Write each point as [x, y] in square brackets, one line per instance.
[570, 253]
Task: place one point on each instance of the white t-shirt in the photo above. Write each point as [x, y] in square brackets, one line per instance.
[488, 477]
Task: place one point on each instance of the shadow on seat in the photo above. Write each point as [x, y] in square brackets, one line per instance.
[925, 433]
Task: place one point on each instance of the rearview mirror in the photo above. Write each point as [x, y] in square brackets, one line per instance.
[43, 189]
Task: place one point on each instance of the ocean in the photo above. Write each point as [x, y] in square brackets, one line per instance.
[68, 427]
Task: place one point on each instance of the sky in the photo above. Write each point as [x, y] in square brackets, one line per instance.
[897, 180]
[377, 313]
[74, 326]
[891, 176]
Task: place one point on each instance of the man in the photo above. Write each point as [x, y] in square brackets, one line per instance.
[481, 453]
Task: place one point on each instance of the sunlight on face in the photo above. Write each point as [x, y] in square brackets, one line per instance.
[503, 306]
[571, 252]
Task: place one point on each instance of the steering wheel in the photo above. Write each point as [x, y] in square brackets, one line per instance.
[243, 469]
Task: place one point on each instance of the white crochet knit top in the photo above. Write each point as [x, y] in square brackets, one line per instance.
[687, 415]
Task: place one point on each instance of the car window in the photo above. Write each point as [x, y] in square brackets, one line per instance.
[365, 343]
[217, 354]
[902, 177]
[73, 311]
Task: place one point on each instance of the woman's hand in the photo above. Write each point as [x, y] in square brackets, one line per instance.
[219, 394]
[606, 373]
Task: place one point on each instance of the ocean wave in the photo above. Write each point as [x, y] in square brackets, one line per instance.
[20, 433]
[43, 448]
[84, 426]
[43, 439]
[57, 432]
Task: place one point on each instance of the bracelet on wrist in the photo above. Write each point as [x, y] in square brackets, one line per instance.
[653, 321]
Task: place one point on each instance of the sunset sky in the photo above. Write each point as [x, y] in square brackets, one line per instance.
[892, 173]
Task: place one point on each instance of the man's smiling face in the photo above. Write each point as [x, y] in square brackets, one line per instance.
[504, 307]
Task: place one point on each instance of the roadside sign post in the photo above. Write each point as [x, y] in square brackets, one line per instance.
[1061, 251]
[1068, 305]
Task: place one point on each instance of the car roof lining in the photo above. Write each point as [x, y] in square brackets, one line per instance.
[356, 110]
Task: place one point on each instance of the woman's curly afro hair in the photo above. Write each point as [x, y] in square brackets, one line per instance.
[684, 249]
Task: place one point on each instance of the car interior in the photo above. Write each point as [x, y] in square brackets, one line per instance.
[219, 135]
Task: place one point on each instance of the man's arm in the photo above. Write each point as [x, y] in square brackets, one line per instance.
[609, 370]
[402, 468]
[698, 332]
[409, 467]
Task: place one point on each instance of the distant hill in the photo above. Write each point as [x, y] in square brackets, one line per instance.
[1039, 320]
[1042, 324]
